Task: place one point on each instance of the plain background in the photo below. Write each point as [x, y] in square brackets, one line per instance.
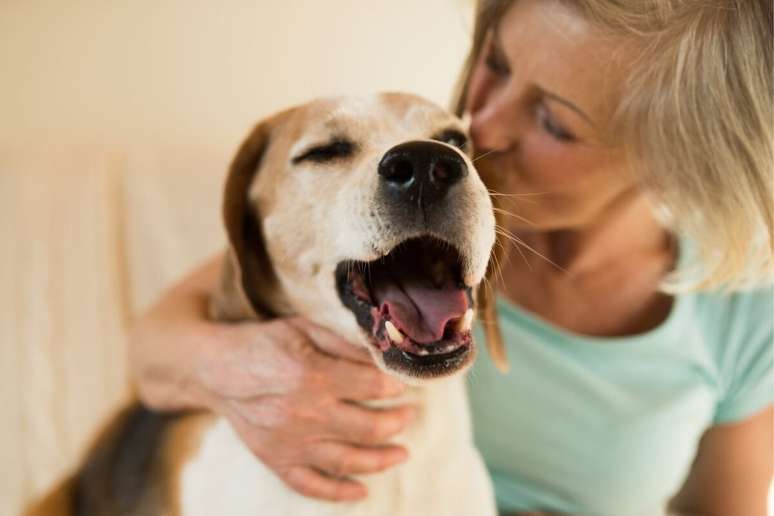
[175, 71]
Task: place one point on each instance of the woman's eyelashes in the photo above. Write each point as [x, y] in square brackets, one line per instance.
[552, 126]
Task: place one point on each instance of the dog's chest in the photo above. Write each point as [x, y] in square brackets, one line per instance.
[444, 475]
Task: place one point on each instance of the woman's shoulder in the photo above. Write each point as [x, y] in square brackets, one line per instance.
[738, 328]
[739, 311]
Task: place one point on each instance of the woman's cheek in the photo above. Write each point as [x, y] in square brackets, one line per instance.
[548, 162]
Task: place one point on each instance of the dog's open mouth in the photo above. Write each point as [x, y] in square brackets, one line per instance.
[413, 304]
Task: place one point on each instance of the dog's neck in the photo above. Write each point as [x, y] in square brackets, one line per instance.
[230, 303]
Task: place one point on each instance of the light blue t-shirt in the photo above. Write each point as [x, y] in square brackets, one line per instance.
[610, 426]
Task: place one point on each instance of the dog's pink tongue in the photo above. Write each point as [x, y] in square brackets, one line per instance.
[420, 311]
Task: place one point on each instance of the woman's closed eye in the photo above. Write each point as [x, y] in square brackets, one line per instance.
[551, 125]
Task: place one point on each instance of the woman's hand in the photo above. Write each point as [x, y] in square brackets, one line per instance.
[287, 386]
[292, 405]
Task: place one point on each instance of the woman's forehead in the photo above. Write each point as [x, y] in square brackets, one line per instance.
[550, 43]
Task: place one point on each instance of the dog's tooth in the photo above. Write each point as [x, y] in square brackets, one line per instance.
[394, 333]
[422, 351]
[466, 321]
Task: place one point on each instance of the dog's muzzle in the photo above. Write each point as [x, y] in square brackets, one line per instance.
[412, 301]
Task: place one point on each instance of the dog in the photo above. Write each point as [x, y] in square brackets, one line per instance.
[367, 216]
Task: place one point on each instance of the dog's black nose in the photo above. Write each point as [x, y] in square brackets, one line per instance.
[421, 171]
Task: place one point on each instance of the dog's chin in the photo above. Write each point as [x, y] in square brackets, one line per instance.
[414, 309]
[417, 369]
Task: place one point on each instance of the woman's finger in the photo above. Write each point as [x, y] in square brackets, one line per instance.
[329, 342]
[360, 425]
[358, 382]
[315, 484]
[341, 460]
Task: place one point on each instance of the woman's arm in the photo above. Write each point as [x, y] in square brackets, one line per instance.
[168, 339]
[286, 386]
[732, 471]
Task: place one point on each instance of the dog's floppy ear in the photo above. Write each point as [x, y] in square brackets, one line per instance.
[487, 313]
[486, 298]
[247, 274]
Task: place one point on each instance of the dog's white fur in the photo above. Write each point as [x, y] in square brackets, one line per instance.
[444, 475]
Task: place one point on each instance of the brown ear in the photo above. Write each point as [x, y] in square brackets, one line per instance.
[247, 274]
[487, 301]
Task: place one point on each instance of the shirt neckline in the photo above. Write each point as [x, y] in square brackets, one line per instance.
[525, 318]
[681, 302]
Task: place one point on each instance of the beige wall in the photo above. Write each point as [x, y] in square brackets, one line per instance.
[193, 71]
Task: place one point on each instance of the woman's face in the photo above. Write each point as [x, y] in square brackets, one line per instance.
[540, 97]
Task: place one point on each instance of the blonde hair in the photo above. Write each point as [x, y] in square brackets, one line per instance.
[695, 118]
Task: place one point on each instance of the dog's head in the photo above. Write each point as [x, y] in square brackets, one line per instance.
[368, 217]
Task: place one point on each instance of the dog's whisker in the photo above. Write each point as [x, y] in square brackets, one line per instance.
[484, 155]
[520, 243]
[511, 214]
[495, 193]
[498, 267]
[512, 201]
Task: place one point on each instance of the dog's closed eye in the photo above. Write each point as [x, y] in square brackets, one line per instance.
[330, 151]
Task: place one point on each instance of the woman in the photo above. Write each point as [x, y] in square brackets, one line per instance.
[628, 146]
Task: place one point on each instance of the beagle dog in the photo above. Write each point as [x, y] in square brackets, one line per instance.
[366, 216]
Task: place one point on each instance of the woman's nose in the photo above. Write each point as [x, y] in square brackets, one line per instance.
[494, 125]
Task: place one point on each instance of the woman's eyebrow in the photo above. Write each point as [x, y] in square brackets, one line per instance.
[563, 101]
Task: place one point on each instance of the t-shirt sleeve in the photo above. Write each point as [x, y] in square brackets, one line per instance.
[747, 365]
